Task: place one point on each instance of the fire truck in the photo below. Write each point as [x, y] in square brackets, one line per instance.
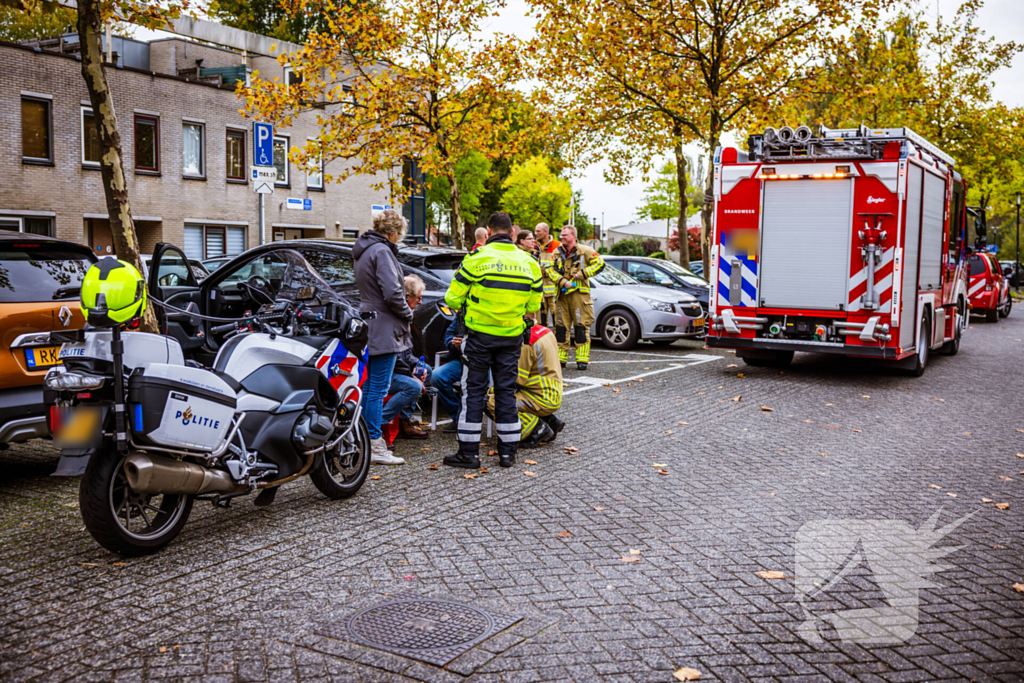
[848, 241]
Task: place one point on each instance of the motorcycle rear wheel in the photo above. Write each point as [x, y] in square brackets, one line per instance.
[340, 473]
[122, 521]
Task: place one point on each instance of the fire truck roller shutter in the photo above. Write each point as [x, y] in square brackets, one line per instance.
[932, 245]
[911, 253]
[805, 244]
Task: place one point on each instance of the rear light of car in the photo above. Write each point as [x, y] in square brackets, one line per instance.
[988, 288]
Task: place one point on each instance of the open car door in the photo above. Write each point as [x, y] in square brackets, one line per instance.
[172, 281]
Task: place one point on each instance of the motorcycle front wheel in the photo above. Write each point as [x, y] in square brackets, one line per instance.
[121, 520]
[340, 472]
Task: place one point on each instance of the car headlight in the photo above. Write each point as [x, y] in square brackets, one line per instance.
[58, 379]
[661, 305]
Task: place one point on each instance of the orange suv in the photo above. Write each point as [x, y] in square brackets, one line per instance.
[40, 281]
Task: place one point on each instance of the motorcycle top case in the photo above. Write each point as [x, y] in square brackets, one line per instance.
[179, 406]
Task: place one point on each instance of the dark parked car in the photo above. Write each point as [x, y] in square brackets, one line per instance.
[442, 262]
[226, 294]
[652, 271]
[697, 268]
[1013, 273]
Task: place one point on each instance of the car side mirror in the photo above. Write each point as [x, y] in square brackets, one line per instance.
[170, 280]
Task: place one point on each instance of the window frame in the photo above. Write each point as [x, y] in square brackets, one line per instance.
[224, 229]
[81, 119]
[202, 150]
[155, 120]
[51, 220]
[320, 159]
[39, 161]
[287, 183]
[228, 134]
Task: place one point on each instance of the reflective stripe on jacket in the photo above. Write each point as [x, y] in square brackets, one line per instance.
[547, 258]
[498, 285]
[567, 264]
[540, 371]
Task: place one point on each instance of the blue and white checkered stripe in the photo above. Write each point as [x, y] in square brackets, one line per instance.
[748, 295]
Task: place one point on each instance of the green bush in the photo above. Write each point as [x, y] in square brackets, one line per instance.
[659, 254]
[602, 250]
[627, 247]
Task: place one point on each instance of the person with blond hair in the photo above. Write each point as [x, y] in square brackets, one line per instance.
[382, 292]
[573, 267]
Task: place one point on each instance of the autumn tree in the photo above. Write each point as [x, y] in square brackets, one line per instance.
[471, 173]
[272, 18]
[399, 80]
[535, 194]
[643, 76]
[34, 19]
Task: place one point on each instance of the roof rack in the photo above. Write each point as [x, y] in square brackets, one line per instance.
[801, 144]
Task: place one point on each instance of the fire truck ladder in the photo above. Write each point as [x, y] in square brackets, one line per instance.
[801, 144]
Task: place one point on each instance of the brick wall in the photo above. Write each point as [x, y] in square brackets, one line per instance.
[72, 191]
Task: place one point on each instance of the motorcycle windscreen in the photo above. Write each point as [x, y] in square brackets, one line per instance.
[805, 244]
[299, 281]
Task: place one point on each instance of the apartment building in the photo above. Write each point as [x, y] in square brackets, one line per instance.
[187, 151]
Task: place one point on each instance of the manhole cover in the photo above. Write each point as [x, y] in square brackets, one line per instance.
[432, 631]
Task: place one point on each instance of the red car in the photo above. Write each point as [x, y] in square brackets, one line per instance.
[988, 290]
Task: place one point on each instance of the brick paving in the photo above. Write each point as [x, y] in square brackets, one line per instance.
[242, 594]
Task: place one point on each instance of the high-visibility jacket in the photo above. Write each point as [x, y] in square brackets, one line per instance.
[540, 372]
[547, 258]
[497, 284]
[582, 261]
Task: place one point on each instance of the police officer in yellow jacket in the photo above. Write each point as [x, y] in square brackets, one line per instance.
[538, 388]
[573, 267]
[493, 289]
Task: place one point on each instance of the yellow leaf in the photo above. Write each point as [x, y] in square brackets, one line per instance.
[376, 476]
[530, 474]
[767, 409]
[1003, 506]
[633, 551]
[737, 399]
[933, 486]
[686, 674]
[771, 574]
[469, 476]
[530, 462]
[1019, 587]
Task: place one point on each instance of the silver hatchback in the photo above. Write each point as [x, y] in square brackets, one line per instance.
[626, 311]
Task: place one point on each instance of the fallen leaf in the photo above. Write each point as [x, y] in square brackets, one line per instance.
[686, 423]
[1019, 587]
[824, 455]
[832, 426]
[1020, 455]
[425, 449]
[771, 575]
[942, 400]
[376, 476]
[641, 381]
[87, 564]
[987, 500]
[633, 551]
[606, 384]
[864, 396]
[620, 499]
[741, 375]
[967, 433]
[662, 471]
[163, 649]
[808, 421]
[469, 476]
[530, 474]
[1005, 478]
[617, 390]
[599, 508]
[767, 409]
[630, 558]
[686, 674]
[933, 486]
[530, 462]
[732, 365]
[565, 534]
[433, 467]
[857, 430]
[1003, 506]
[118, 564]
[659, 464]
[831, 404]
[484, 470]
[1021, 431]
[737, 398]
[492, 452]
[951, 495]
[572, 450]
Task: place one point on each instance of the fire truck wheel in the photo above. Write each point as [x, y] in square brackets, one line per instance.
[924, 343]
[767, 359]
[952, 347]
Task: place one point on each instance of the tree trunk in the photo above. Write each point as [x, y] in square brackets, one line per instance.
[705, 213]
[456, 218]
[684, 235]
[122, 227]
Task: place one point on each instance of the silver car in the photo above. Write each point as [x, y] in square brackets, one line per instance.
[626, 311]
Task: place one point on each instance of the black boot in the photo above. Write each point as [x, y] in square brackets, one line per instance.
[468, 461]
[555, 424]
[541, 434]
[506, 459]
[580, 365]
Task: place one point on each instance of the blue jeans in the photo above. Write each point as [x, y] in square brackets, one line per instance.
[445, 379]
[378, 381]
[405, 391]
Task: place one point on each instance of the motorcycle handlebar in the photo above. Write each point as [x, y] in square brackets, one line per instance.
[227, 327]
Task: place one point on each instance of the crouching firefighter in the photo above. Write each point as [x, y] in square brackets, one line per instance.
[538, 387]
[572, 269]
[497, 286]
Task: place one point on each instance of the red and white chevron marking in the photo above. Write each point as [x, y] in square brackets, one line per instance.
[883, 283]
[976, 286]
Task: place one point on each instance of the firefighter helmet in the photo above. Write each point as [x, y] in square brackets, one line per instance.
[113, 292]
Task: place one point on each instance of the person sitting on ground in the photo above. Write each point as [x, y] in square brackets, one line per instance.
[481, 238]
[538, 388]
[446, 378]
[406, 386]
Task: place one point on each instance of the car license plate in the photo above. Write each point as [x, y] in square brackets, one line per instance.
[42, 357]
[698, 322]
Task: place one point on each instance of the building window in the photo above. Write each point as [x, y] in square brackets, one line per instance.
[290, 77]
[147, 143]
[236, 155]
[315, 179]
[34, 225]
[193, 154]
[36, 130]
[281, 160]
[211, 241]
[90, 139]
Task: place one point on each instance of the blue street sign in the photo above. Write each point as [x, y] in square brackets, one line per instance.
[307, 204]
[299, 204]
[262, 144]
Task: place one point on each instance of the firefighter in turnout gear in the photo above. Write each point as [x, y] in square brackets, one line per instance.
[572, 269]
[538, 388]
[547, 247]
[493, 288]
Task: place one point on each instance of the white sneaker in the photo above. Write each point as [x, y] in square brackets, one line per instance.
[379, 454]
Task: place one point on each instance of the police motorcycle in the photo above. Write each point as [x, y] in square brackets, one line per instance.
[151, 432]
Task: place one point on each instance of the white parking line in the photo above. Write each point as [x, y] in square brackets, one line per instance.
[680, 366]
[644, 353]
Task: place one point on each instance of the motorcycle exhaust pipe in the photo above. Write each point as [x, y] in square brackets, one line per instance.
[153, 474]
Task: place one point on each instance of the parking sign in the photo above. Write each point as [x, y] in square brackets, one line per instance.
[262, 144]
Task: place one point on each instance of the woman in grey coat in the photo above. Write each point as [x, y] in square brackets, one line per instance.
[382, 290]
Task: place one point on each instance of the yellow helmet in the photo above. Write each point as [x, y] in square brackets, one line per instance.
[113, 292]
